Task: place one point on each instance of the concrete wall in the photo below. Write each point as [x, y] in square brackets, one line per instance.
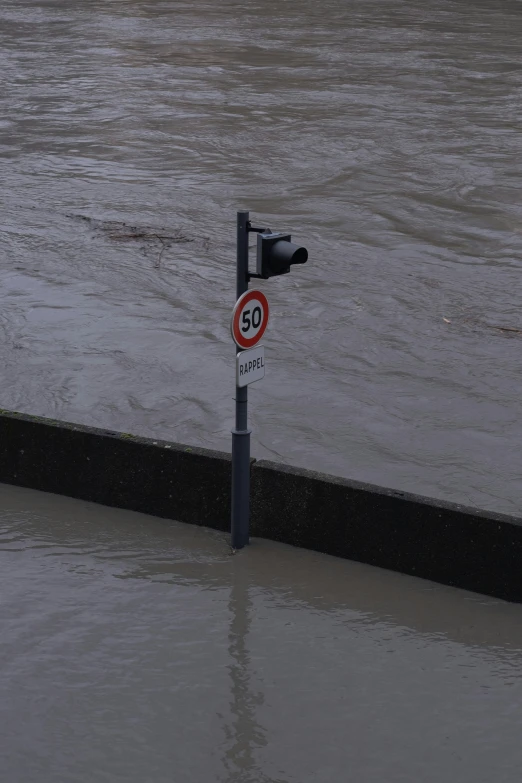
[164, 479]
[415, 535]
[445, 542]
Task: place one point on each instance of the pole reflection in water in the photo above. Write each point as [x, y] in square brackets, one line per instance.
[244, 734]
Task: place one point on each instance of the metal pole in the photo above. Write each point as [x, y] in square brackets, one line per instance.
[241, 434]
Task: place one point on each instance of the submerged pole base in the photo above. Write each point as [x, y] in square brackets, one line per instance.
[240, 521]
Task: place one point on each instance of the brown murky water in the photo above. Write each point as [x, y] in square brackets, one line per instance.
[385, 134]
[138, 650]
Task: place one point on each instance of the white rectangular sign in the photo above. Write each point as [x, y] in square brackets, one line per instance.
[250, 366]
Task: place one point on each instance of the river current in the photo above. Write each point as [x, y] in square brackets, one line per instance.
[385, 135]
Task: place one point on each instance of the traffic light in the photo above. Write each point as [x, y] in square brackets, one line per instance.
[276, 254]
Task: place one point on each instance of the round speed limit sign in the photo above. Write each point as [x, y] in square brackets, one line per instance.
[249, 319]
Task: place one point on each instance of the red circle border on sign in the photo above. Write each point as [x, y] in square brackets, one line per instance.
[236, 315]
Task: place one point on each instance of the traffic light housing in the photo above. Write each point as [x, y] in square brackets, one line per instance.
[276, 254]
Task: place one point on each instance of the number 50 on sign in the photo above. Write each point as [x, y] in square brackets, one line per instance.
[249, 319]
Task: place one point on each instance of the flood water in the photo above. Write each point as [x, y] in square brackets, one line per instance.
[384, 134]
[141, 650]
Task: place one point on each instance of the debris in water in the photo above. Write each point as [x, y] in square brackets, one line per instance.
[120, 231]
[506, 329]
